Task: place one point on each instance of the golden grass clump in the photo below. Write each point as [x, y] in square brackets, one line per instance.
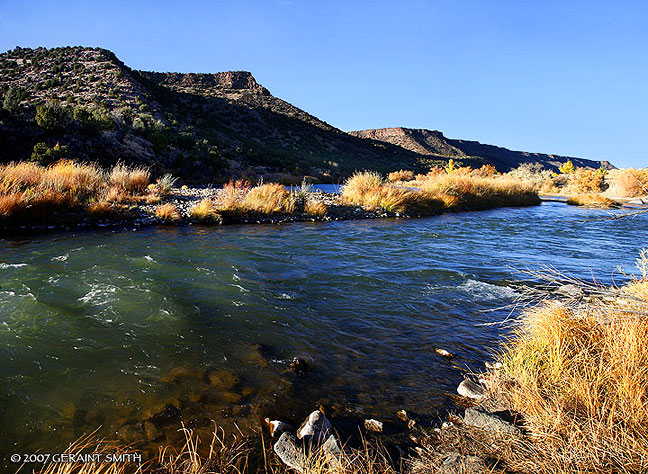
[205, 211]
[269, 199]
[75, 178]
[591, 199]
[475, 192]
[129, 179]
[19, 176]
[579, 377]
[368, 189]
[315, 208]
[168, 213]
[233, 193]
[399, 176]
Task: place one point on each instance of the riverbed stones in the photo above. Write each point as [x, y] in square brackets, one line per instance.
[316, 426]
[470, 389]
[494, 365]
[373, 425]
[480, 418]
[287, 450]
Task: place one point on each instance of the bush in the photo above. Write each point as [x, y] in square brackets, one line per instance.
[205, 211]
[584, 180]
[631, 182]
[12, 99]
[43, 155]
[51, 116]
[95, 120]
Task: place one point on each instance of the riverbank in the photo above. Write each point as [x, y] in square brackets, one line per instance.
[76, 195]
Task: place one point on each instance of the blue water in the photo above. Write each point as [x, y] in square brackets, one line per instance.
[105, 327]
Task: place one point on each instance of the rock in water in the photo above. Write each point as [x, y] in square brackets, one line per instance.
[373, 425]
[402, 415]
[276, 427]
[480, 418]
[300, 366]
[470, 389]
[444, 353]
[316, 426]
[331, 446]
[290, 455]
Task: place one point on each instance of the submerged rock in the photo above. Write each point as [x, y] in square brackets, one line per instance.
[287, 450]
[373, 425]
[470, 389]
[301, 366]
[315, 426]
[480, 418]
[444, 353]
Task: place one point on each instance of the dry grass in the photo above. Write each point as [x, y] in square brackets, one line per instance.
[368, 189]
[630, 182]
[400, 176]
[578, 373]
[205, 211]
[591, 200]
[269, 199]
[33, 193]
[315, 208]
[129, 179]
[466, 191]
[233, 194]
[168, 213]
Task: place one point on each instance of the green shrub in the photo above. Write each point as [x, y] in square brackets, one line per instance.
[51, 116]
[43, 155]
[12, 99]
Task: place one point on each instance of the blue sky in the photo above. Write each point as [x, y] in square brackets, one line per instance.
[565, 77]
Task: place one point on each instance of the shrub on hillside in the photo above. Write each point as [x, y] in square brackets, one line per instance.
[51, 116]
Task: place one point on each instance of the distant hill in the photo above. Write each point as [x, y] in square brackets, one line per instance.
[198, 126]
[434, 144]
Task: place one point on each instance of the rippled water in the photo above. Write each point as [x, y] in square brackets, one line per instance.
[164, 323]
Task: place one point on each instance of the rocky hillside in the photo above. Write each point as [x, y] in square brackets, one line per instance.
[85, 103]
[434, 144]
[199, 126]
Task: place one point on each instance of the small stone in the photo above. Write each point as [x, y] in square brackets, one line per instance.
[290, 455]
[331, 446]
[447, 424]
[480, 418]
[444, 353]
[470, 389]
[402, 415]
[411, 424]
[373, 425]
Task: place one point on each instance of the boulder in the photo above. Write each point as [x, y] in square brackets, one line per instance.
[470, 389]
[315, 426]
[287, 450]
[480, 418]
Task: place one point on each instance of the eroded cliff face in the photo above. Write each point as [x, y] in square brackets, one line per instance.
[434, 143]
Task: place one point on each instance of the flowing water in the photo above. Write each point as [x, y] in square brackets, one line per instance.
[169, 324]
